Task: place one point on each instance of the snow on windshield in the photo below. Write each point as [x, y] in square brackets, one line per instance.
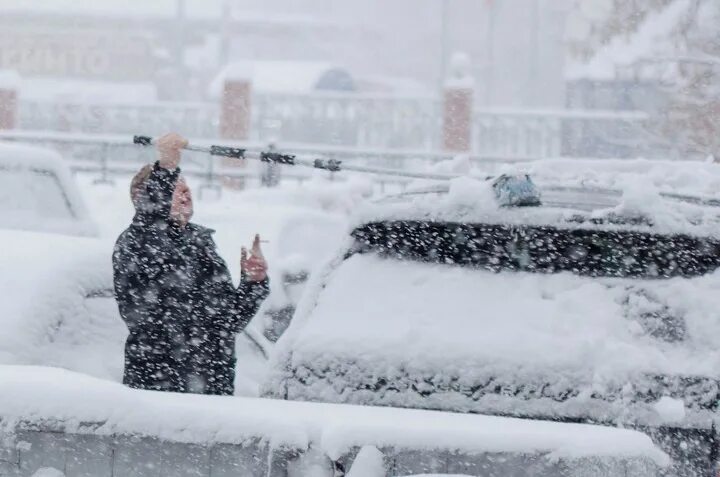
[33, 194]
[47, 314]
[38, 193]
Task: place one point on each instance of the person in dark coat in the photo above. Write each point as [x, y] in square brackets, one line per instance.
[175, 292]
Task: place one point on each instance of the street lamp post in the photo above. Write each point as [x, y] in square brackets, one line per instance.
[179, 50]
[444, 6]
[489, 51]
[225, 33]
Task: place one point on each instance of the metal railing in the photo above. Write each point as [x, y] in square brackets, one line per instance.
[345, 119]
[112, 155]
[364, 121]
[191, 119]
[556, 133]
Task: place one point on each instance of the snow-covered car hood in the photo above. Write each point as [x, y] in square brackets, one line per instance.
[57, 307]
[394, 332]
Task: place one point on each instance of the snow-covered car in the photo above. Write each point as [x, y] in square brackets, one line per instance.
[38, 193]
[584, 308]
[56, 280]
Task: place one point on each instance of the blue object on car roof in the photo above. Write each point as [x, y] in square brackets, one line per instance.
[516, 191]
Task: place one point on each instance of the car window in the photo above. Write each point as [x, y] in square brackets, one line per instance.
[589, 252]
[33, 194]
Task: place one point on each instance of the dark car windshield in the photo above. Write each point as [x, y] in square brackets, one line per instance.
[596, 253]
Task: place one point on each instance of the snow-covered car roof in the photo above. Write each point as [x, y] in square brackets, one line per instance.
[38, 193]
[469, 200]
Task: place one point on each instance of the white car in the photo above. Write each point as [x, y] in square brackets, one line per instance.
[38, 193]
[575, 310]
[56, 281]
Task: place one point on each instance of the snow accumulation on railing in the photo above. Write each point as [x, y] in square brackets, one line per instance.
[335, 151]
[568, 114]
[74, 403]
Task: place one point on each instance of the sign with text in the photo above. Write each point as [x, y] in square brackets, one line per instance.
[68, 53]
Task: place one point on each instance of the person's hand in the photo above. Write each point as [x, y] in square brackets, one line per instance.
[169, 149]
[253, 266]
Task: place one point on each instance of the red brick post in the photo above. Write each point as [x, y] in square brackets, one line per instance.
[458, 100]
[457, 119]
[9, 85]
[235, 109]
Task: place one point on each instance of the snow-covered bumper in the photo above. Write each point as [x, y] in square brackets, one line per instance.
[84, 426]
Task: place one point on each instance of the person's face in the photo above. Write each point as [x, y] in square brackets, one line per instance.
[182, 207]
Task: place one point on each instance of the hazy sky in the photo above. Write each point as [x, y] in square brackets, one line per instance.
[394, 38]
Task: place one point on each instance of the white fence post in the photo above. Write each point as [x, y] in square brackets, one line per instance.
[458, 106]
[236, 106]
[9, 85]
[235, 115]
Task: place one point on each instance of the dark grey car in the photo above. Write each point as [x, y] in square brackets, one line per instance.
[573, 310]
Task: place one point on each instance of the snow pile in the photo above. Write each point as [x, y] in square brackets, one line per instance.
[670, 410]
[471, 194]
[459, 74]
[53, 311]
[48, 472]
[313, 462]
[691, 177]
[446, 337]
[369, 462]
[638, 198]
[72, 402]
[630, 188]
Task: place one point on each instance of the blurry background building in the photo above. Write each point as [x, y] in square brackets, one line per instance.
[603, 78]
[179, 46]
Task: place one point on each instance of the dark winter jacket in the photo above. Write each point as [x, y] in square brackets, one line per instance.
[176, 296]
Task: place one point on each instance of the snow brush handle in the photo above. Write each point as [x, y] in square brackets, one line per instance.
[142, 140]
[223, 151]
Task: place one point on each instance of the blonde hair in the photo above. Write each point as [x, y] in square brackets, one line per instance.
[137, 185]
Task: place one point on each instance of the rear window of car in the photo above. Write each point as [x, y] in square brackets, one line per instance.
[545, 249]
[33, 194]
